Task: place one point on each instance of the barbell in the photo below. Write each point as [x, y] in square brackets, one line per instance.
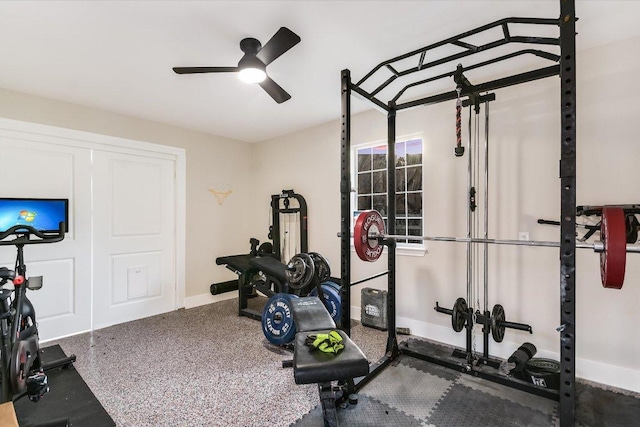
[368, 237]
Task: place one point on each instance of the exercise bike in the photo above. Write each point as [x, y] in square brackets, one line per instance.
[22, 370]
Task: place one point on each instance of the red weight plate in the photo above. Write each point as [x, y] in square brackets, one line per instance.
[613, 259]
[368, 222]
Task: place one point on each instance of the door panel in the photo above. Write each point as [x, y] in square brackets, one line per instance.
[38, 170]
[134, 232]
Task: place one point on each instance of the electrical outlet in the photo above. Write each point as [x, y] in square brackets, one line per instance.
[523, 235]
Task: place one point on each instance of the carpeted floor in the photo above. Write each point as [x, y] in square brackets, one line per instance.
[207, 366]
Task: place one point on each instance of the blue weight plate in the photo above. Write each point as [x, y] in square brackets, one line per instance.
[332, 283]
[278, 325]
[332, 300]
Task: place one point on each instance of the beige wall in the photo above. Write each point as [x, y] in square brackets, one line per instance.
[212, 230]
[524, 186]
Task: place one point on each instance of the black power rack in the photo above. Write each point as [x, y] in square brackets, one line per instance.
[562, 65]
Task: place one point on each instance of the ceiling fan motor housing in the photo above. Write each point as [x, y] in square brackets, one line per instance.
[250, 45]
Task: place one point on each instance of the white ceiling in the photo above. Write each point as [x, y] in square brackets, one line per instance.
[117, 55]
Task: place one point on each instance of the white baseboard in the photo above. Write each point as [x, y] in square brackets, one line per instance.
[603, 373]
[203, 299]
[47, 340]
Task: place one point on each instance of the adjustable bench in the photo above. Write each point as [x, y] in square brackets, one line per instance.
[309, 367]
[246, 266]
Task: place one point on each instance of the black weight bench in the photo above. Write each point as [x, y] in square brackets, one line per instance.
[310, 367]
[246, 266]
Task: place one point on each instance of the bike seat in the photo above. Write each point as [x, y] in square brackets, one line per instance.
[5, 274]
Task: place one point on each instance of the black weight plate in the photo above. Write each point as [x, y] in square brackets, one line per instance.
[278, 325]
[459, 315]
[323, 271]
[497, 317]
[300, 271]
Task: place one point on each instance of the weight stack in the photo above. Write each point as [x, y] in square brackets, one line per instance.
[373, 308]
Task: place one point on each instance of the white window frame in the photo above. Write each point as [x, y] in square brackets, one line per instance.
[410, 249]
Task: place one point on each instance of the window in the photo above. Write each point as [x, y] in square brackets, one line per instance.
[371, 184]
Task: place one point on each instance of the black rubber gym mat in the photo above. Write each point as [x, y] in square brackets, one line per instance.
[69, 397]
[367, 413]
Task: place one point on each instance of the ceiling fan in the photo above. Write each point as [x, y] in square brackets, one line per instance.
[252, 67]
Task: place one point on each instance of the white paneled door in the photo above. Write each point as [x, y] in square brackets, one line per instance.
[135, 236]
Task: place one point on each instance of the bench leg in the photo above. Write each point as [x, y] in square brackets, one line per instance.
[328, 400]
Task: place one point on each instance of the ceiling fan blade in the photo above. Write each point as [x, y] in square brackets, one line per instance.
[195, 70]
[274, 90]
[283, 40]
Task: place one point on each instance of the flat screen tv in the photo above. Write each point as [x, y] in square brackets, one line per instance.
[44, 215]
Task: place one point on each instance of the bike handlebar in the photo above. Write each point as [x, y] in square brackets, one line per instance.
[24, 233]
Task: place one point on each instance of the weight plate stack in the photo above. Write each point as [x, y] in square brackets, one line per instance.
[300, 271]
[544, 372]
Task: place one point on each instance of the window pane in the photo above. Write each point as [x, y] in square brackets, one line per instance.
[400, 154]
[380, 157]
[415, 227]
[364, 183]
[414, 152]
[414, 178]
[400, 181]
[364, 203]
[414, 204]
[364, 159]
[401, 227]
[380, 182]
[400, 199]
[380, 204]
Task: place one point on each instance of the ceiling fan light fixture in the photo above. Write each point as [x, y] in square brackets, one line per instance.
[252, 75]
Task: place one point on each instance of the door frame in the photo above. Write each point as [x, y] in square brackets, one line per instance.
[75, 138]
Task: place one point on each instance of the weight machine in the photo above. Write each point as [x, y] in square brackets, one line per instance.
[288, 230]
[563, 65]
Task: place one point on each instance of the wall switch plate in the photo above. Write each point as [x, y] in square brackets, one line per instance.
[523, 235]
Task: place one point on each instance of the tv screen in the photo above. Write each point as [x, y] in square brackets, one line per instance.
[44, 215]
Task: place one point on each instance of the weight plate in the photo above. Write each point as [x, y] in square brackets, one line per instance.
[300, 271]
[333, 284]
[459, 315]
[368, 223]
[497, 317]
[332, 300]
[613, 259]
[278, 325]
[323, 271]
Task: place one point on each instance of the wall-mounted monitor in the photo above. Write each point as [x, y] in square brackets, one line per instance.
[45, 215]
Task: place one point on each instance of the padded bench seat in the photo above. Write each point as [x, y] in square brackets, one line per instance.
[311, 316]
[311, 367]
[270, 266]
[237, 262]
